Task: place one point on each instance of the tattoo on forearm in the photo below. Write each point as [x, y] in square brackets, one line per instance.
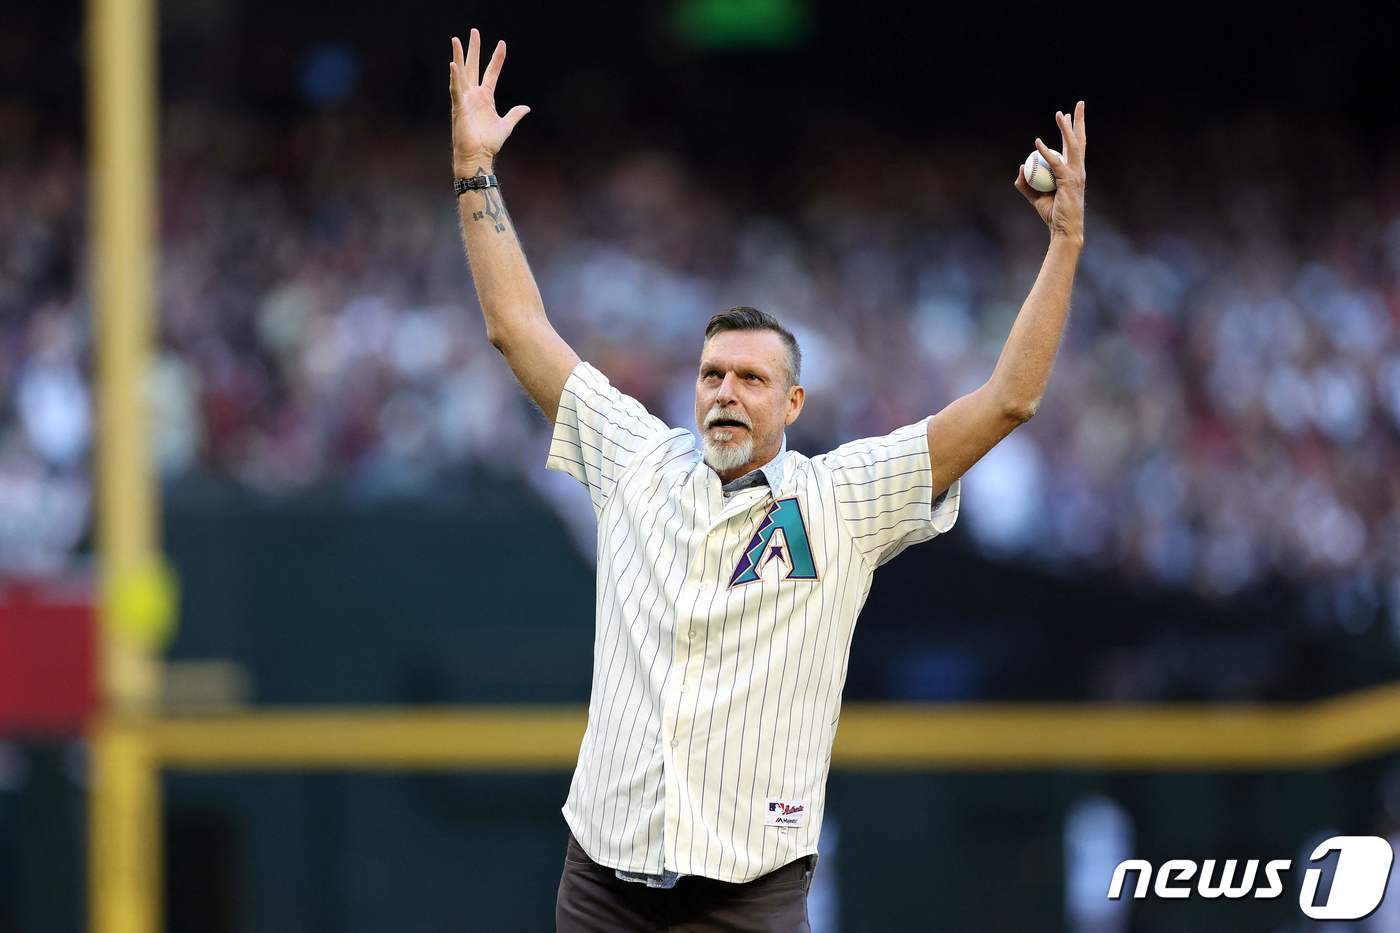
[494, 207]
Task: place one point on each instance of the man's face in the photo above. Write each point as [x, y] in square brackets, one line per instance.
[743, 400]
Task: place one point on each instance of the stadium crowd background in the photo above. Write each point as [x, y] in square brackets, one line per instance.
[1225, 408]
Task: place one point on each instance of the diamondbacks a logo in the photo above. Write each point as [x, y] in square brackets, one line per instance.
[781, 536]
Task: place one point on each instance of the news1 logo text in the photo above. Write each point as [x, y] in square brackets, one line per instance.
[1359, 871]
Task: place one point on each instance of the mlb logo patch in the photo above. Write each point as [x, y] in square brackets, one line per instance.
[786, 813]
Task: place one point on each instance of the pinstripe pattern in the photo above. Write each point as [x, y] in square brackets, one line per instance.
[708, 699]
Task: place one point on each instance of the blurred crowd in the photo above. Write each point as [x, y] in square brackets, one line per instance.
[1225, 408]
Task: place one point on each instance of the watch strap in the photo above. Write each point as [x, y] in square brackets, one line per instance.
[474, 183]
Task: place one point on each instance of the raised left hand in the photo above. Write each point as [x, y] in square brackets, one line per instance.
[1063, 208]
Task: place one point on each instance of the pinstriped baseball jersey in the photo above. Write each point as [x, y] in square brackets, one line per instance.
[723, 631]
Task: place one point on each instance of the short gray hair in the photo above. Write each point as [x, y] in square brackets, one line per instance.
[746, 318]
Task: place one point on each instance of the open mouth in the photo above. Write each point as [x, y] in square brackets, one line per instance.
[726, 423]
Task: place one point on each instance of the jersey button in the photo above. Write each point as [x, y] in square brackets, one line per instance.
[675, 742]
[692, 633]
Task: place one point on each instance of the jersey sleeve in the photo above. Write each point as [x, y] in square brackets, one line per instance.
[599, 432]
[883, 487]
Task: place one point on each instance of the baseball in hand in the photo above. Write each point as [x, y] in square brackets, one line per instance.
[1038, 173]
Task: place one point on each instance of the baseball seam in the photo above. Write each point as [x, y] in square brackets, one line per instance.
[1040, 163]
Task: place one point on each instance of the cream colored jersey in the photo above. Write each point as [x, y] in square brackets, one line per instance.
[723, 631]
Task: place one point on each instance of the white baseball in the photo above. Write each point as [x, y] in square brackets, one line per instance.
[1038, 173]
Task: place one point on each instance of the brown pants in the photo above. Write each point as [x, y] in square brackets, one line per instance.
[592, 899]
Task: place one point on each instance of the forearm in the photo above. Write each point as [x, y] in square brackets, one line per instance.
[1023, 369]
[510, 299]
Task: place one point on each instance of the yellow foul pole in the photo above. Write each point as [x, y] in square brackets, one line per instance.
[124, 808]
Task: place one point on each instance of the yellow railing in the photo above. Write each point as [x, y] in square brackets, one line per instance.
[879, 736]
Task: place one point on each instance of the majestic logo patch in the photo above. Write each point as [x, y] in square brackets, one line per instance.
[785, 812]
[781, 536]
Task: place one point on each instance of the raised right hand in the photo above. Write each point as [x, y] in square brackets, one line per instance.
[478, 132]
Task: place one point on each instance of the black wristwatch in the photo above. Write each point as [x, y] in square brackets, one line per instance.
[475, 182]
